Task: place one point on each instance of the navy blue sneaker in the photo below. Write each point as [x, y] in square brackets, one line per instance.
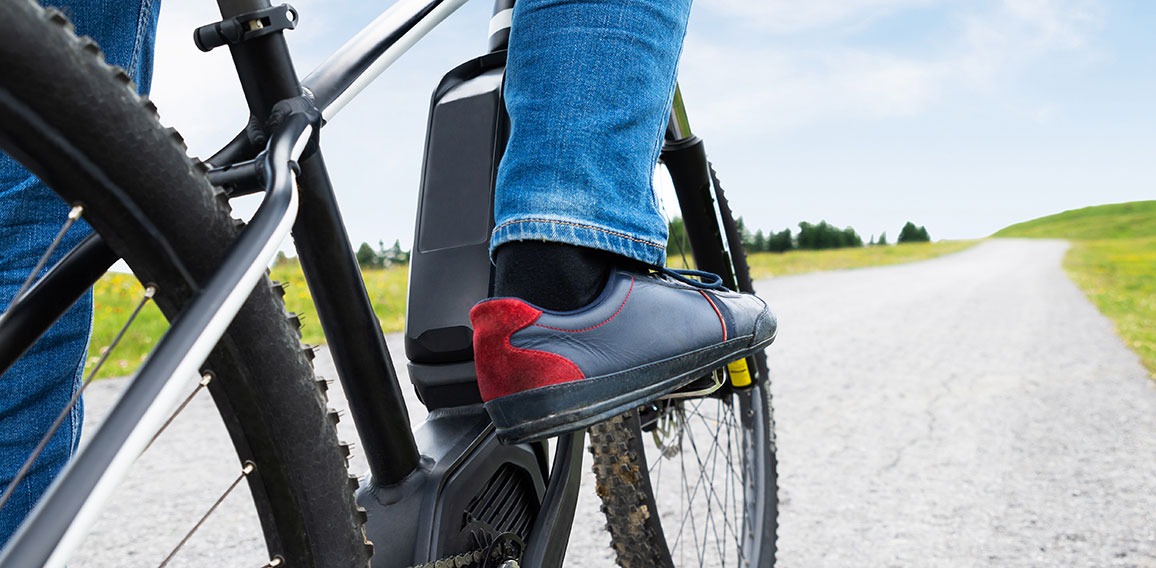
[544, 373]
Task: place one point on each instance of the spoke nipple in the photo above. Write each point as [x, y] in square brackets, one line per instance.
[249, 467]
[76, 212]
[206, 378]
[150, 290]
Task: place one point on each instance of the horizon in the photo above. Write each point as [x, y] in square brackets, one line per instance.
[961, 117]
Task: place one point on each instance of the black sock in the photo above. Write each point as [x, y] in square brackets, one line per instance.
[555, 276]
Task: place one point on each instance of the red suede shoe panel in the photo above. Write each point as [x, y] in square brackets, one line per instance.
[504, 369]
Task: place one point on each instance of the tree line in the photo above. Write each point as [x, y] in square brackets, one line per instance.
[822, 235]
[383, 257]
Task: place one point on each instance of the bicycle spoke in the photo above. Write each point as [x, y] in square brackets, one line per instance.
[249, 467]
[73, 216]
[693, 492]
[713, 427]
[712, 493]
[28, 463]
[205, 380]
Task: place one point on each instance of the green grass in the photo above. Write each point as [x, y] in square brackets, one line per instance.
[1113, 260]
[117, 295]
[386, 289]
[1132, 220]
[767, 264]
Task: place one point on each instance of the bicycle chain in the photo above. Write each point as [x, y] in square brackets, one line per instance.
[470, 559]
[504, 552]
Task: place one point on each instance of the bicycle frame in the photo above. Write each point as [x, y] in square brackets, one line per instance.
[405, 483]
[358, 346]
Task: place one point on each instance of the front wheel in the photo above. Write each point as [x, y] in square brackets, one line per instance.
[693, 481]
[78, 124]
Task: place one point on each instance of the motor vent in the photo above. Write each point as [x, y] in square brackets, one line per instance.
[507, 504]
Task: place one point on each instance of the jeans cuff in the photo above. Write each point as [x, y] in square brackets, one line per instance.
[579, 234]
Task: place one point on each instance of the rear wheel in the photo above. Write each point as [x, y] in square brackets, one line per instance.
[692, 481]
[78, 124]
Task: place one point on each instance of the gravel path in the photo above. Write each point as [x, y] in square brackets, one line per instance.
[973, 410]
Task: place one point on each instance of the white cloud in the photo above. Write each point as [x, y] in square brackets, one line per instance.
[1047, 113]
[772, 89]
[1058, 23]
[751, 85]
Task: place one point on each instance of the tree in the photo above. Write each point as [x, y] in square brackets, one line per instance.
[882, 239]
[780, 242]
[366, 258]
[745, 235]
[760, 242]
[825, 236]
[676, 237]
[395, 255]
[912, 234]
[850, 238]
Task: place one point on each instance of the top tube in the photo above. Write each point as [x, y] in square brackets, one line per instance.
[357, 63]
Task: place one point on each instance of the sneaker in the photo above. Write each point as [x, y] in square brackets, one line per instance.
[543, 373]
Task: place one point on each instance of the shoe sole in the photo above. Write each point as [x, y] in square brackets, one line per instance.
[554, 410]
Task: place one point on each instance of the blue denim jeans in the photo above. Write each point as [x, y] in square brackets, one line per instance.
[588, 89]
[37, 387]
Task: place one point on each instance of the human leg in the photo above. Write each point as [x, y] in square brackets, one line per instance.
[588, 90]
[39, 385]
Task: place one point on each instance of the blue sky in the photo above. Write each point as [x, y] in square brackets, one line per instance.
[964, 116]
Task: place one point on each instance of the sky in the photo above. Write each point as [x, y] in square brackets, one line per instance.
[964, 116]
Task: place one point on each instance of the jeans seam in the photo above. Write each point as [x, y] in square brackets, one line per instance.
[138, 39]
[581, 226]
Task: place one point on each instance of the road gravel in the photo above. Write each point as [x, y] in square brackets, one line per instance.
[971, 410]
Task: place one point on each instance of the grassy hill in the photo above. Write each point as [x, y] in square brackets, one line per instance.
[1133, 220]
[1113, 259]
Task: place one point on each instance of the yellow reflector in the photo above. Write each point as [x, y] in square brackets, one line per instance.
[740, 375]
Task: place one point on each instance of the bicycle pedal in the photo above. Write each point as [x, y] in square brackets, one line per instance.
[701, 386]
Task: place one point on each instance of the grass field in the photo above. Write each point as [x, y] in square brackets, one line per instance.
[1132, 220]
[767, 264]
[115, 297]
[118, 294]
[1113, 259]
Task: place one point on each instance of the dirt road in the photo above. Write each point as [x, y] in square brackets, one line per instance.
[973, 410]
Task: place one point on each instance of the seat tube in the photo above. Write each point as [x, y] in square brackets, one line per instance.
[359, 351]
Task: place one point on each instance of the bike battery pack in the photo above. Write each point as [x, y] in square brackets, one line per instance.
[450, 268]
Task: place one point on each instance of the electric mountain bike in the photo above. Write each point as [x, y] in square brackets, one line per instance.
[688, 480]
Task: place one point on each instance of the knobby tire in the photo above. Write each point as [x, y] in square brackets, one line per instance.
[78, 123]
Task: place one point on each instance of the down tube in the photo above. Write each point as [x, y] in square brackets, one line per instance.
[351, 328]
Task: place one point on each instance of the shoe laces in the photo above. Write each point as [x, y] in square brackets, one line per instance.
[705, 280]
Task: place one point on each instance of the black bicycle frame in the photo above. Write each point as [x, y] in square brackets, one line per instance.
[284, 115]
[404, 484]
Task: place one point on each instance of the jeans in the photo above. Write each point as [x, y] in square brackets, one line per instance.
[588, 90]
[589, 87]
[37, 387]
